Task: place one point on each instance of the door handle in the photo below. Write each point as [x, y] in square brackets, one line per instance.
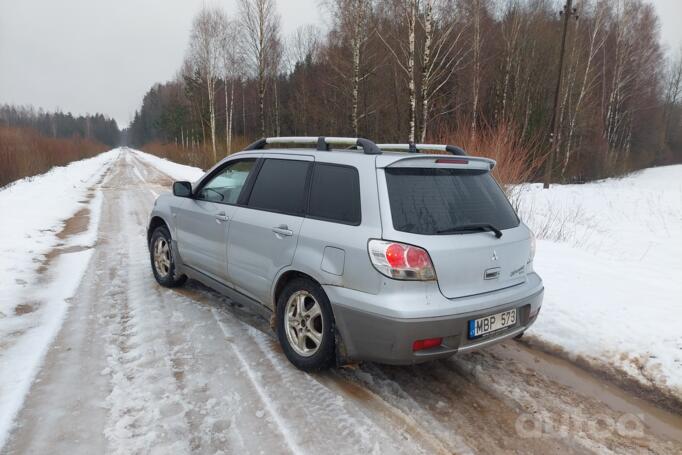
[220, 216]
[283, 229]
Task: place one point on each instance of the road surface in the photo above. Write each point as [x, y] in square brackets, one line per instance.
[137, 368]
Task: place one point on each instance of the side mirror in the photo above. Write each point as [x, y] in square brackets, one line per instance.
[182, 189]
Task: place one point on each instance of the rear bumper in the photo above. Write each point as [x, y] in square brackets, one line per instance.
[388, 339]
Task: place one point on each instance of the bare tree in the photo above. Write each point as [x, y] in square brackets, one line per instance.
[633, 56]
[232, 63]
[233, 69]
[476, 18]
[442, 58]
[405, 53]
[304, 43]
[206, 40]
[673, 93]
[351, 18]
[303, 48]
[440, 54]
[261, 24]
[596, 38]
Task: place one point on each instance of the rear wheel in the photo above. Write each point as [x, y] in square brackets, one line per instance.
[305, 325]
[163, 263]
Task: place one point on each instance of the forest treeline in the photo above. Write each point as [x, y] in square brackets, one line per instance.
[33, 141]
[474, 72]
[59, 125]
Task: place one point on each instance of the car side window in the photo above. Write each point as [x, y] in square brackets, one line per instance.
[226, 186]
[335, 194]
[281, 186]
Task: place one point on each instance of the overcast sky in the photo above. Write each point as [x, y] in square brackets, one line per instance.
[87, 56]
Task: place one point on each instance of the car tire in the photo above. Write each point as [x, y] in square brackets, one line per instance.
[304, 316]
[162, 259]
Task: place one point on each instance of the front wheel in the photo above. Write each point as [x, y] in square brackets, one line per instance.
[305, 325]
[163, 263]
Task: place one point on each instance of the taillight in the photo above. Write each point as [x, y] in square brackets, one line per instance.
[401, 261]
[429, 343]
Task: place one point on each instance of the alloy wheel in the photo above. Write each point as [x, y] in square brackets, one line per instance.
[162, 258]
[303, 324]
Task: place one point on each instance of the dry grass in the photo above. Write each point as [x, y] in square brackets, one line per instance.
[200, 156]
[569, 223]
[517, 159]
[24, 152]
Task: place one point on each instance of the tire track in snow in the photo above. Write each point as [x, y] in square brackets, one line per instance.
[330, 406]
[263, 395]
[146, 412]
[219, 402]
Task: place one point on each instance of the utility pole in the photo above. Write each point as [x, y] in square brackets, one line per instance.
[568, 12]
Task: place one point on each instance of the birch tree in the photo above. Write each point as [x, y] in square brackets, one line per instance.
[673, 93]
[404, 53]
[351, 18]
[589, 75]
[261, 26]
[206, 40]
[476, 51]
[232, 64]
[443, 56]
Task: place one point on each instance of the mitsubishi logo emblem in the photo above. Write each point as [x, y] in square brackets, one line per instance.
[494, 258]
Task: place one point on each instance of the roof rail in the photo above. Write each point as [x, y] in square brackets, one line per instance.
[322, 143]
[414, 148]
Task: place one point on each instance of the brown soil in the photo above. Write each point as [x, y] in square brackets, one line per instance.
[76, 224]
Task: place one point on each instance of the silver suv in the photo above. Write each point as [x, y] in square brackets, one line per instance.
[356, 251]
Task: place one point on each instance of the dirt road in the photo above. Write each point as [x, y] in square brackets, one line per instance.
[137, 368]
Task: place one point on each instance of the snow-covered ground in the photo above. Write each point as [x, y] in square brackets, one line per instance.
[95, 357]
[175, 170]
[610, 254]
[32, 304]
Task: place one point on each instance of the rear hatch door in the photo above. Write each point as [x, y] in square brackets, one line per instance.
[450, 207]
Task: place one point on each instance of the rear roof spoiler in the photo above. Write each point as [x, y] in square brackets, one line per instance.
[434, 160]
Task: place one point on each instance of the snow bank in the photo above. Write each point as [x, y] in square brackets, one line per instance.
[170, 168]
[33, 212]
[611, 260]
[33, 305]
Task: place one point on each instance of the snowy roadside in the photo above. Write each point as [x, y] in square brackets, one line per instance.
[33, 296]
[610, 254]
[170, 168]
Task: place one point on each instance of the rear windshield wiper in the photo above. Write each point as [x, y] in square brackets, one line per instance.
[471, 227]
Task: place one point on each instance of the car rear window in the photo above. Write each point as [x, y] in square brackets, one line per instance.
[335, 194]
[280, 186]
[426, 201]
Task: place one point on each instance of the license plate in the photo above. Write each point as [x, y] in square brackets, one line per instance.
[494, 322]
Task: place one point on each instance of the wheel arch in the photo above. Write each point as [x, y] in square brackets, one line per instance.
[155, 222]
[285, 277]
